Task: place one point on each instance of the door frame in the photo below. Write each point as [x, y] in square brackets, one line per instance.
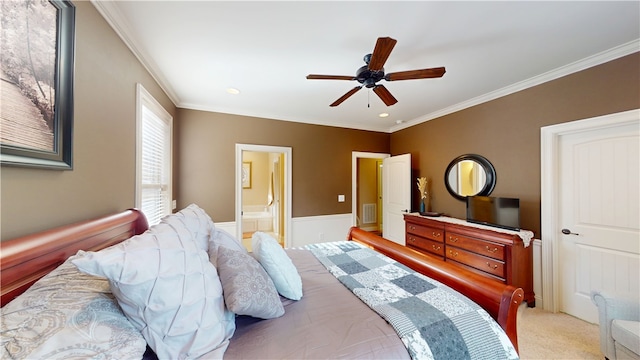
[355, 155]
[286, 151]
[550, 197]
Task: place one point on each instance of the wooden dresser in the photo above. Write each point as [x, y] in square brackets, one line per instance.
[499, 255]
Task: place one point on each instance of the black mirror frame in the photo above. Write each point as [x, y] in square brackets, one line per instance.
[489, 170]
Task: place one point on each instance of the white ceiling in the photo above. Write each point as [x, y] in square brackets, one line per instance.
[196, 50]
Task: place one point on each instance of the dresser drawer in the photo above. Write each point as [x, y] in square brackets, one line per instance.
[479, 262]
[477, 246]
[421, 243]
[428, 232]
[494, 254]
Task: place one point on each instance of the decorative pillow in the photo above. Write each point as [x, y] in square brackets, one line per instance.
[168, 289]
[220, 237]
[197, 221]
[68, 314]
[247, 288]
[278, 265]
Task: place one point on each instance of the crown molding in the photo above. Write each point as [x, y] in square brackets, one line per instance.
[116, 20]
[383, 129]
[591, 61]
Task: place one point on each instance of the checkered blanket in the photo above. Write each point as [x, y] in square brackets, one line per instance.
[433, 320]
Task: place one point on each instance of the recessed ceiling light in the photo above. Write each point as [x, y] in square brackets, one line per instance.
[399, 121]
[233, 91]
[383, 115]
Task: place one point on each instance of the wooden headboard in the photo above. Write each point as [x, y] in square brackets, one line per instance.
[26, 259]
[500, 300]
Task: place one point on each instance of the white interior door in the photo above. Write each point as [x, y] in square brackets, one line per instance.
[396, 196]
[599, 212]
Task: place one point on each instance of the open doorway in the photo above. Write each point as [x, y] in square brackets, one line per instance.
[263, 189]
[367, 191]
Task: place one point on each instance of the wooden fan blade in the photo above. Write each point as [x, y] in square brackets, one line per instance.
[384, 95]
[329, 77]
[381, 53]
[346, 96]
[416, 74]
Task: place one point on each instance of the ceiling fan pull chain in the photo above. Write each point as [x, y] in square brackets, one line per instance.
[369, 99]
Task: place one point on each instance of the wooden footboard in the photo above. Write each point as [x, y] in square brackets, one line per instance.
[500, 300]
[26, 259]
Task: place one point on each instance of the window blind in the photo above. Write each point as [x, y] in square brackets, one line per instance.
[153, 196]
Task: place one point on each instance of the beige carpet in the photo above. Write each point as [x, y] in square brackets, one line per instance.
[545, 335]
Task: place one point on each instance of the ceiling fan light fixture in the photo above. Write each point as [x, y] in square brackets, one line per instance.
[369, 78]
[369, 74]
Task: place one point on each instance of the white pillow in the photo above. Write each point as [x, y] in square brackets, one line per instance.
[221, 237]
[168, 289]
[197, 221]
[278, 265]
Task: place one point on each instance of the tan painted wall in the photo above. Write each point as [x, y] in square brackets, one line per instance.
[103, 176]
[321, 160]
[507, 132]
[260, 174]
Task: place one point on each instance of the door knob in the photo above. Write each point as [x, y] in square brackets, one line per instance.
[568, 232]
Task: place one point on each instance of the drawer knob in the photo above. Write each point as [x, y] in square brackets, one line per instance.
[492, 267]
[491, 250]
[412, 227]
[453, 253]
[436, 248]
[435, 234]
[453, 239]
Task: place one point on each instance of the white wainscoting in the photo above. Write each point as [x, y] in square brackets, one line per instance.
[317, 229]
[229, 227]
[310, 229]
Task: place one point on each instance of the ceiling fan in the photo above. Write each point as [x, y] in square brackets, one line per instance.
[369, 74]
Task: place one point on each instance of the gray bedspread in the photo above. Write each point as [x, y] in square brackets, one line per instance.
[433, 320]
[327, 323]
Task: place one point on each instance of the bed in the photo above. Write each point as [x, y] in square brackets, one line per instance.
[304, 326]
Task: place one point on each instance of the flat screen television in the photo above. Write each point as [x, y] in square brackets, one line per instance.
[494, 211]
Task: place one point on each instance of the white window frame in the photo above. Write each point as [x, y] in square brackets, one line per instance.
[145, 100]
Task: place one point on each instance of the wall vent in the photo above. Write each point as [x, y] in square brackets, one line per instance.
[369, 214]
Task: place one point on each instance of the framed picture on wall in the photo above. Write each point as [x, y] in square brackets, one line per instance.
[36, 111]
[246, 174]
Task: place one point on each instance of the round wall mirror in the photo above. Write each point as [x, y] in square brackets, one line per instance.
[469, 175]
